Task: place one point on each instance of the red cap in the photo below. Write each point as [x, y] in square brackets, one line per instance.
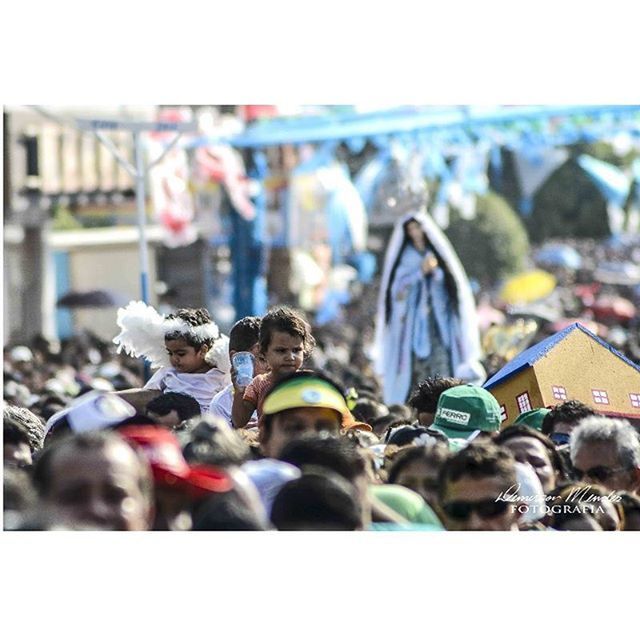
[169, 468]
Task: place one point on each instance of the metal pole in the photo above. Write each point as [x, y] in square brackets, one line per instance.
[142, 221]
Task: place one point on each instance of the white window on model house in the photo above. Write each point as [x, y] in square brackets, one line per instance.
[559, 392]
[503, 413]
[635, 400]
[524, 402]
[600, 396]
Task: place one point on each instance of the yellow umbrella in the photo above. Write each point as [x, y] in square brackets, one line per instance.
[528, 287]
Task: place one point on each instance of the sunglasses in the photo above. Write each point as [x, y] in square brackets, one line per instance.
[601, 473]
[485, 509]
[560, 438]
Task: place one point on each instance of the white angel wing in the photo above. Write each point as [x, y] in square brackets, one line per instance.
[142, 333]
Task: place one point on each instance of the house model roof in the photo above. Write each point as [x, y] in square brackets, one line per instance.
[533, 354]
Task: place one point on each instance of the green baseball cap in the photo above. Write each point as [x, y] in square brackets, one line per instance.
[532, 418]
[464, 409]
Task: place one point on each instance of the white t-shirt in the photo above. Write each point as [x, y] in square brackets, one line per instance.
[222, 404]
[202, 386]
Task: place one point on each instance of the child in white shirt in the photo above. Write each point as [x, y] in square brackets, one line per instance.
[187, 346]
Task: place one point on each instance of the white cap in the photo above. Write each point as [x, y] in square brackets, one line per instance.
[93, 411]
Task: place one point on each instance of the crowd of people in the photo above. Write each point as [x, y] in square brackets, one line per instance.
[307, 444]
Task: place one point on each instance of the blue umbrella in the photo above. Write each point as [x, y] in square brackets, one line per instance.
[559, 255]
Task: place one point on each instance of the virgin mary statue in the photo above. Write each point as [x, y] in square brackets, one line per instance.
[426, 321]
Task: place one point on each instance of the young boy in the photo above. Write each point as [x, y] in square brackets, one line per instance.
[244, 336]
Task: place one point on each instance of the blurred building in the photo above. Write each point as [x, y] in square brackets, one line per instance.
[60, 187]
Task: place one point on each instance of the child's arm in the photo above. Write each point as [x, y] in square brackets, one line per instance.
[241, 409]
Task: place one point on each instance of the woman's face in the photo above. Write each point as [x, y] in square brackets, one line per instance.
[415, 233]
[532, 452]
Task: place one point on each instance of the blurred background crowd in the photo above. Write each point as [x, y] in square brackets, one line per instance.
[543, 209]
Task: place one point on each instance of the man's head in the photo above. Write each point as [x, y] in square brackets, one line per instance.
[95, 479]
[338, 454]
[304, 402]
[606, 451]
[471, 481]
[424, 398]
[341, 455]
[465, 409]
[177, 484]
[226, 512]
[320, 500]
[208, 440]
[418, 468]
[563, 418]
[171, 408]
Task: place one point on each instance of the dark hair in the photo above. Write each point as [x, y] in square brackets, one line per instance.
[567, 521]
[211, 441]
[571, 412]
[522, 431]
[185, 406]
[224, 512]
[86, 441]
[138, 419]
[434, 456]
[406, 435]
[450, 282]
[286, 320]
[338, 454]
[424, 398]
[244, 334]
[367, 409]
[401, 410]
[393, 422]
[302, 373]
[15, 432]
[24, 425]
[318, 500]
[194, 318]
[478, 460]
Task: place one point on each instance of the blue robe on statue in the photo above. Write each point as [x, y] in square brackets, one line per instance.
[422, 329]
[421, 325]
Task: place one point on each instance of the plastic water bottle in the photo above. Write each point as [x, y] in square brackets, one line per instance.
[243, 364]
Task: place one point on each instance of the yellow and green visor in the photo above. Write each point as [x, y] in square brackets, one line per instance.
[304, 392]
